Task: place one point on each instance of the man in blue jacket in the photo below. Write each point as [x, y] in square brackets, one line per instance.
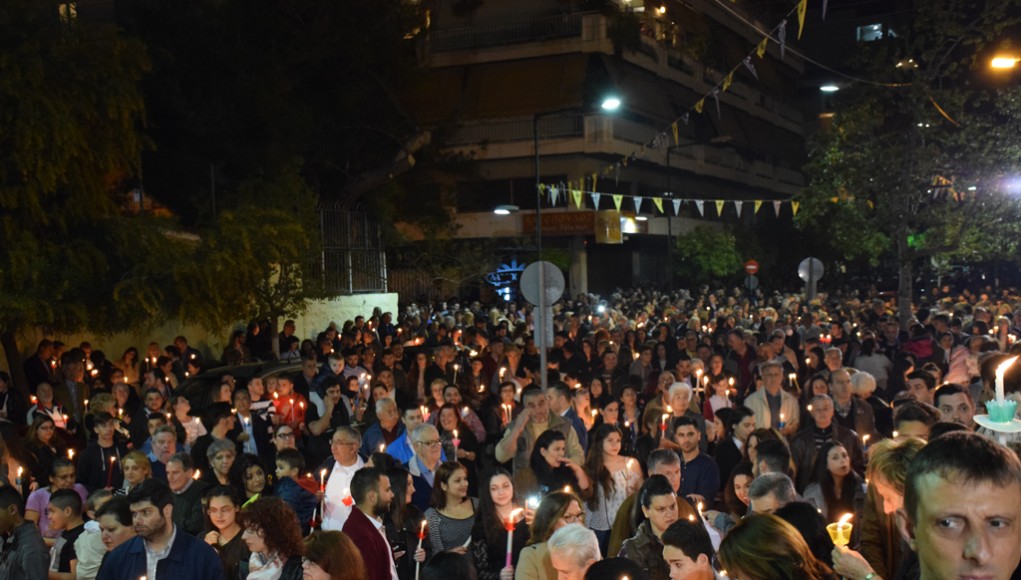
[160, 551]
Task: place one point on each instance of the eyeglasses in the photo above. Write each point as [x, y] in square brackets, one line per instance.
[344, 443]
[432, 443]
[578, 518]
[288, 435]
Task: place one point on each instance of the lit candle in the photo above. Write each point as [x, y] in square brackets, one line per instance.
[33, 399]
[109, 473]
[120, 413]
[322, 480]
[456, 442]
[425, 413]
[699, 508]
[865, 442]
[70, 453]
[662, 423]
[510, 534]
[840, 532]
[1000, 371]
[503, 371]
[197, 475]
[86, 403]
[421, 537]
[567, 489]
[17, 480]
[347, 499]
[782, 423]
[464, 411]
[456, 367]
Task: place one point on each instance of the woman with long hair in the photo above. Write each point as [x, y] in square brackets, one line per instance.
[551, 466]
[735, 499]
[609, 414]
[555, 511]
[764, 547]
[248, 475]
[224, 531]
[835, 488]
[452, 515]
[451, 428]
[403, 522]
[44, 444]
[489, 536]
[128, 364]
[754, 438]
[136, 468]
[598, 394]
[273, 536]
[614, 477]
[817, 384]
[332, 556]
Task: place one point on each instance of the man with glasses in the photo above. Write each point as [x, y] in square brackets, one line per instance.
[340, 470]
[422, 466]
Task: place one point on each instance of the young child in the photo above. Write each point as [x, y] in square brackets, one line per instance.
[89, 548]
[64, 513]
[299, 492]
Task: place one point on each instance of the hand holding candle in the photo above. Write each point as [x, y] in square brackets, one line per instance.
[322, 480]
[840, 532]
[421, 537]
[509, 526]
[457, 443]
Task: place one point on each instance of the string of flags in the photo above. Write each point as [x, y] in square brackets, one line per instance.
[662, 138]
[573, 192]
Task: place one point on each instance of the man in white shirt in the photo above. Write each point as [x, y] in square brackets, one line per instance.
[346, 461]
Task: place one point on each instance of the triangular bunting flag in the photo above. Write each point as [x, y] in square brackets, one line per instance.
[617, 198]
[758, 204]
[781, 34]
[595, 199]
[802, 8]
[794, 206]
[719, 207]
[673, 127]
[699, 105]
[761, 48]
[737, 206]
[677, 207]
[684, 117]
[701, 207]
[824, 3]
[576, 193]
[554, 194]
[728, 80]
[638, 204]
[658, 202]
[751, 67]
[716, 97]
[776, 207]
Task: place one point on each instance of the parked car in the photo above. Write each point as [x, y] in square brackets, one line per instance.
[201, 388]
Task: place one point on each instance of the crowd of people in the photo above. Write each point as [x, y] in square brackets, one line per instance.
[671, 436]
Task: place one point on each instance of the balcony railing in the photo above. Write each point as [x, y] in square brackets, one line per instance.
[559, 126]
[475, 37]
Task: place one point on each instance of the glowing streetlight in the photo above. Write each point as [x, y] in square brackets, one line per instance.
[1004, 62]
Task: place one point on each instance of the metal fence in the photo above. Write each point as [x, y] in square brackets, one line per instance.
[352, 258]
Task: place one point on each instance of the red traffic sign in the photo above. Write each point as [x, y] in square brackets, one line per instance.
[751, 267]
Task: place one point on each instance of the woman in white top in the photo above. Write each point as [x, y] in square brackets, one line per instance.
[193, 427]
[614, 477]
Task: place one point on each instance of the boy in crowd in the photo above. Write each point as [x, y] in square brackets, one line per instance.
[298, 492]
[64, 513]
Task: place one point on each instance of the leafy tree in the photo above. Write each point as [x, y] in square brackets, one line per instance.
[70, 113]
[706, 254]
[914, 167]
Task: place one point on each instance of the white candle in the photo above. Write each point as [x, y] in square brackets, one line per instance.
[510, 534]
[1000, 371]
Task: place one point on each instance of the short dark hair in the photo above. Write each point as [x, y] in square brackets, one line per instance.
[656, 485]
[560, 388]
[530, 391]
[101, 418]
[964, 456]
[67, 498]
[10, 496]
[689, 537]
[915, 411]
[216, 413]
[949, 390]
[292, 457]
[154, 491]
[682, 421]
[775, 454]
[930, 381]
[365, 480]
[184, 459]
[614, 568]
[117, 507]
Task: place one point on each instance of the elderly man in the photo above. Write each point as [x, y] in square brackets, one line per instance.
[520, 436]
[425, 440]
[806, 444]
[340, 469]
[384, 431]
[680, 400]
[572, 550]
[188, 493]
[850, 411]
[770, 492]
[774, 407]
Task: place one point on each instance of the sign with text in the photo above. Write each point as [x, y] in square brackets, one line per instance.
[571, 223]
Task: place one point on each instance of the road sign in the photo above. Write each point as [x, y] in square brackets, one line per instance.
[751, 267]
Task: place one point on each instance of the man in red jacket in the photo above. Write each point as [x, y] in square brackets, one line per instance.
[372, 494]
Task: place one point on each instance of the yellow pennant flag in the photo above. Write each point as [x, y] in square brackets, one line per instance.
[719, 207]
[658, 202]
[674, 127]
[728, 80]
[758, 204]
[617, 199]
[699, 105]
[802, 8]
[576, 194]
[794, 206]
[761, 48]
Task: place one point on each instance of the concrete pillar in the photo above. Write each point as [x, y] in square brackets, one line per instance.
[578, 274]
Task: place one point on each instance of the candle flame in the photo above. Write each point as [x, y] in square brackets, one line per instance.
[594, 413]
[730, 381]
[70, 453]
[844, 519]
[455, 433]
[864, 439]
[382, 447]
[20, 471]
[514, 514]
[567, 489]
[669, 409]
[691, 518]
[197, 475]
[423, 526]
[1002, 369]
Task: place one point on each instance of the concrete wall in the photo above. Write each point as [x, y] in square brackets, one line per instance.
[316, 318]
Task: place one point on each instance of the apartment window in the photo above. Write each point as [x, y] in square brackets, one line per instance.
[68, 12]
[870, 32]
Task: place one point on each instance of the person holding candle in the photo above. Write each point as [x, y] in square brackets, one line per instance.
[297, 490]
[250, 430]
[451, 517]
[340, 469]
[452, 396]
[504, 410]
[735, 499]
[680, 406]
[405, 524]
[658, 504]
[770, 401]
[550, 468]
[44, 446]
[98, 462]
[806, 444]
[500, 530]
[608, 415]
[224, 532]
[556, 510]
[385, 430]
[373, 494]
[44, 404]
[614, 477]
[519, 438]
[453, 429]
[835, 488]
[184, 421]
[290, 405]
